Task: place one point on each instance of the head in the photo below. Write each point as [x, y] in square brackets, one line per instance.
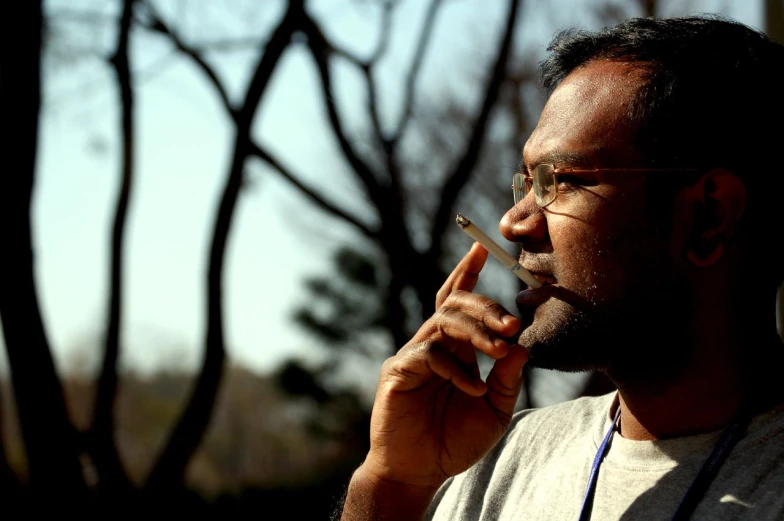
[644, 260]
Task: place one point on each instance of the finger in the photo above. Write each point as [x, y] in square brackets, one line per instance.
[530, 299]
[417, 365]
[455, 328]
[506, 380]
[447, 366]
[486, 310]
[466, 354]
[465, 275]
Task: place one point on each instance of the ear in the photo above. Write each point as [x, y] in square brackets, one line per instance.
[716, 204]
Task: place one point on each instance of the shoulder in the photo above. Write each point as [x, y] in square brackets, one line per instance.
[572, 418]
[537, 436]
[539, 442]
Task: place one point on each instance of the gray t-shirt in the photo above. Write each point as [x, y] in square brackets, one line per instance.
[540, 470]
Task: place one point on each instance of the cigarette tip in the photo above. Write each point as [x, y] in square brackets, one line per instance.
[462, 221]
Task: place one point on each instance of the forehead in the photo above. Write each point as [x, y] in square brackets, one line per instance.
[587, 117]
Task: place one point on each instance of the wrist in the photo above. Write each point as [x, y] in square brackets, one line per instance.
[374, 497]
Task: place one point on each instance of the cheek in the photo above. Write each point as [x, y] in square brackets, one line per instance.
[580, 254]
[596, 259]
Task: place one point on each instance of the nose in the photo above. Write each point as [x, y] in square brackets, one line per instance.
[526, 224]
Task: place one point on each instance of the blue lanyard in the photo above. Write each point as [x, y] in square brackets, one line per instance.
[699, 486]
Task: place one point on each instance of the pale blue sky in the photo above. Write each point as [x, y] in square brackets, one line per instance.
[182, 153]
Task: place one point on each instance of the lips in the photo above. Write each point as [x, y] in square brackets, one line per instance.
[530, 299]
[540, 267]
[545, 279]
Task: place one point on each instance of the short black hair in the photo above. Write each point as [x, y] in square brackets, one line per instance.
[711, 97]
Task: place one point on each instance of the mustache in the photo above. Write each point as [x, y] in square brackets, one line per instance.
[537, 262]
[528, 300]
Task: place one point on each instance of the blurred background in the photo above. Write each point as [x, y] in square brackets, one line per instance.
[220, 216]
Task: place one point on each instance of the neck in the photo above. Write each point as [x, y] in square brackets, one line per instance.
[707, 393]
[677, 411]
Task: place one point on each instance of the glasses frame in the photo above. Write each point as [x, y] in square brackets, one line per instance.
[521, 181]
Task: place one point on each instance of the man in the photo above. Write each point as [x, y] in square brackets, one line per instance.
[654, 222]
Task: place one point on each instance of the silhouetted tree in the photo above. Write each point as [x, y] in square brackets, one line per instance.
[113, 479]
[383, 285]
[50, 439]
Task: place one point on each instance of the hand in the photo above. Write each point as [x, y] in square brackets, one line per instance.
[433, 416]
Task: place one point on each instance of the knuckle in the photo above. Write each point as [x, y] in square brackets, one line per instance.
[387, 368]
[501, 388]
[474, 325]
[400, 371]
[453, 319]
[459, 296]
[422, 348]
[387, 363]
[441, 297]
[402, 366]
[489, 307]
[394, 369]
[442, 317]
[447, 313]
[451, 298]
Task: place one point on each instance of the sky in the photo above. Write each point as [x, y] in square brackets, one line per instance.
[183, 150]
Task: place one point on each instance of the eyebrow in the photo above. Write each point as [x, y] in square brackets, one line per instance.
[557, 157]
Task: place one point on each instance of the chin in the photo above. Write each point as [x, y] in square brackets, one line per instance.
[579, 331]
[566, 357]
[564, 338]
[579, 343]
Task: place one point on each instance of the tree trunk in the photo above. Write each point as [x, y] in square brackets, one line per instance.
[169, 470]
[50, 440]
[104, 450]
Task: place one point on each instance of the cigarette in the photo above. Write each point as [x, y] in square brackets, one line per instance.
[497, 251]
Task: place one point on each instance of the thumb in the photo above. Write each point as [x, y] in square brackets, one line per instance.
[506, 380]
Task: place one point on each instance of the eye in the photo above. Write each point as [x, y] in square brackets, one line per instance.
[569, 181]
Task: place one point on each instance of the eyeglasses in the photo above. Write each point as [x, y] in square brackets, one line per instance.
[544, 180]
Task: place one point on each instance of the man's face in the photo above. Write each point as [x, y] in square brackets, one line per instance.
[609, 257]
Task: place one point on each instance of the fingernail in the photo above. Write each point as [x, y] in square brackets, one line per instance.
[535, 296]
[508, 319]
[524, 295]
[500, 344]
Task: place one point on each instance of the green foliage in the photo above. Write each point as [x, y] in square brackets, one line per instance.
[344, 307]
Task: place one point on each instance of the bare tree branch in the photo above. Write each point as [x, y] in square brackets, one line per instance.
[372, 96]
[413, 73]
[157, 24]
[320, 49]
[229, 44]
[79, 15]
[169, 471]
[311, 194]
[367, 71]
[104, 450]
[386, 29]
[460, 175]
[381, 45]
[387, 198]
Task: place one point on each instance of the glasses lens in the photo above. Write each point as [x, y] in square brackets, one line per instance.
[544, 184]
[518, 187]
